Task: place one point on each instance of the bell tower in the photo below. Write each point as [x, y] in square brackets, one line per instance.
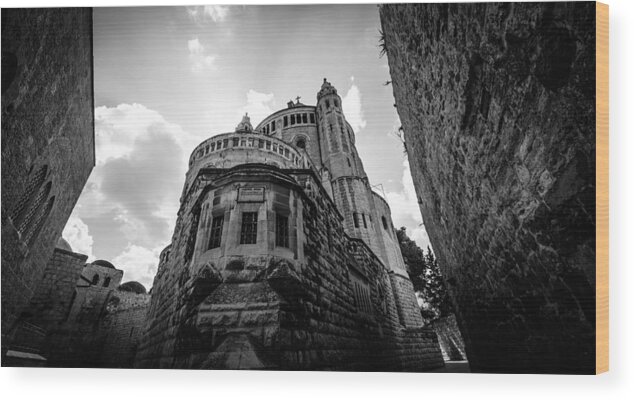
[350, 185]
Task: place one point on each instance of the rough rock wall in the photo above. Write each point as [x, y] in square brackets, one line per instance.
[47, 133]
[497, 103]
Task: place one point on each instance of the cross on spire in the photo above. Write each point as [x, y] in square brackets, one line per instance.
[297, 98]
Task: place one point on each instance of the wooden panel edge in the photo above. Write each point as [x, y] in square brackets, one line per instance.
[602, 188]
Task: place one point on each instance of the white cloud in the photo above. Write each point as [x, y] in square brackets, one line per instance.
[405, 210]
[132, 195]
[200, 60]
[352, 107]
[194, 46]
[77, 235]
[259, 106]
[138, 264]
[215, 13]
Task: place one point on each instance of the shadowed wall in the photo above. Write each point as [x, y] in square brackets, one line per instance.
[497, 103]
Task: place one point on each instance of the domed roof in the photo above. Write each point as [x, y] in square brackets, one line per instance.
[103, 263]
[63, 244]
[133, 286]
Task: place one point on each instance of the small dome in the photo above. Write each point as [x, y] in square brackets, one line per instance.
[103, 263]
[63, 244]
[132, 286]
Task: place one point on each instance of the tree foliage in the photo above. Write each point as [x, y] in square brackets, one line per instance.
[426, 277]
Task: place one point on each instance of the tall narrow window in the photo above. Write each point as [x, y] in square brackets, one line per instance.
[95, 279]
[285, 121]
[39, 221]
[281, 230]
[293, 119]
[365, 225]
[106, 282]
[336, 103]
[305, 118]
[273, 125]
[327, 104]
[249, 231]
[29, 219]
[34, 184]
[384, 223]
[312, 118]
[355, 217]
[216, 232]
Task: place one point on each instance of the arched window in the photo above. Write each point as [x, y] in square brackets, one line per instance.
[39, 221]
[36, 181]
[384, 223]
[95, 279]
[106, 282]
[29, 218]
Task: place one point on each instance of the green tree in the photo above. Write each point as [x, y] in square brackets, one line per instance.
[426, 277]
[414, 259]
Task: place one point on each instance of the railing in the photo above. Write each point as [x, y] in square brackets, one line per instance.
[247, 141]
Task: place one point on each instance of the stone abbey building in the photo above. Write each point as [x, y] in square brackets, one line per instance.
[284, 258]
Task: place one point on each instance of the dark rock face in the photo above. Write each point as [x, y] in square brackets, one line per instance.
[497, 103]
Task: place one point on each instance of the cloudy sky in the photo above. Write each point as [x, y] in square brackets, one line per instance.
[166, 78]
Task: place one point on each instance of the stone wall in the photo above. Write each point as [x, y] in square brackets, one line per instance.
[287, 311]
[47, 141]
[51, 303]
[449, 338]
[497, 103]
[122, 328]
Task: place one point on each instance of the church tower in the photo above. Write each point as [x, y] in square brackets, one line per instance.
[351, 189]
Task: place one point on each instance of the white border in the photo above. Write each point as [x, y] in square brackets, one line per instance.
[617, 384]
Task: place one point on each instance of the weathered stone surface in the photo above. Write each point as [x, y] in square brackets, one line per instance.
[122, 328]
[47, 142]
[497, 103]
[449, 338]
